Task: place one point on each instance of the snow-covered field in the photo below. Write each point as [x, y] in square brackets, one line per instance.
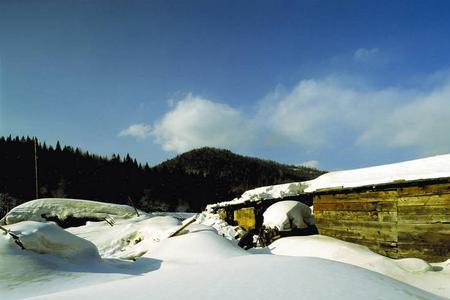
[95, 261]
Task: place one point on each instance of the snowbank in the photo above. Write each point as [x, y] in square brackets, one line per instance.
[55, 260]
[198, 264]
[62, 209]
[127, 239]
[253, 277]
[287, 215]
[433, 278]
[425, 168]
[48, 238]
[198, 247]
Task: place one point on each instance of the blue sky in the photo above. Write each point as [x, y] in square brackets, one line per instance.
[334, 84]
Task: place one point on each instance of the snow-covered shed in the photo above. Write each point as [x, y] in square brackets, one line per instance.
[398, 210]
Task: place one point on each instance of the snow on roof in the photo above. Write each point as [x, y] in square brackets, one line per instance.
[425, 168]
[265, 193]
[63, 208]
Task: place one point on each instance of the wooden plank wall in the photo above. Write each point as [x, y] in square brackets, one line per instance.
[402, 222]
[367, 218]
[424, 222]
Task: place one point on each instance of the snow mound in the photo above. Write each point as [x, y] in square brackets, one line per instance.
[48, 238]
[410, 270]
[197, 247]
[287, 215]
[127, 239]
[42, 210]
[253, 277]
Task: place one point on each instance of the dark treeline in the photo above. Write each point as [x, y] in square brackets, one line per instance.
[187, 182]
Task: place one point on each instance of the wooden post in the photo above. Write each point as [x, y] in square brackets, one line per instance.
[36, 168]
[130, 201]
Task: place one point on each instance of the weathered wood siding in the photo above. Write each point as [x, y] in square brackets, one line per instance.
[424, 222]
[410, 221]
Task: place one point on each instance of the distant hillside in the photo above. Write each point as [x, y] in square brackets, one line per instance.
[238, 172]
[186, 182]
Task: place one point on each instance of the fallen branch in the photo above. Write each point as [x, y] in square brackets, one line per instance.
[192, 220]
[110, 222]
[6, 231]
[14, 236]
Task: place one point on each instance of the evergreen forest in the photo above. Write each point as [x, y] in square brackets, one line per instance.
[187, 182]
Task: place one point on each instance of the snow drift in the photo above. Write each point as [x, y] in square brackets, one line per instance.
[253, 277]
[198, 247]
[413, 271]
[48, 238]
[127, 239]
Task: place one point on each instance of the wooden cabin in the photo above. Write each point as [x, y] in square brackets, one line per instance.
[398, 219]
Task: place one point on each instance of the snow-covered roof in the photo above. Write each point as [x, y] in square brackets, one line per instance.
[426, 168]
[63, 208]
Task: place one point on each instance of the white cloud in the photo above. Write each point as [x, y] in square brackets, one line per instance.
[423, 123]
[314, 110]
[364, 55]
[318, 113]
[195, 122]
[139, 131]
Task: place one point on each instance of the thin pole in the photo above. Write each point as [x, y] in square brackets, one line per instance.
[36, 167]
[132, 204]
